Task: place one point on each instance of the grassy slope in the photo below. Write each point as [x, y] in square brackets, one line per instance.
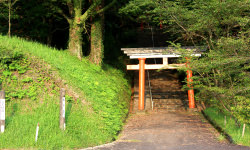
[231, 128]
[105, 89]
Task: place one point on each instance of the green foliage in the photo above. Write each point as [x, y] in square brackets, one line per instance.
[193, 22]
[106, 91]
[27, 80]
[69, 98]
[223, 76]
[231, 127]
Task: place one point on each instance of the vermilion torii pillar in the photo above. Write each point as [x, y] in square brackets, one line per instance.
[190, 85]
[141, 83]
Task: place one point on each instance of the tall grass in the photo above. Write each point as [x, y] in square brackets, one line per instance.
[106, 90]
[82, 128]
[228, 125]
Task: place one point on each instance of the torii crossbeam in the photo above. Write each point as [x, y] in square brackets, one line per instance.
[160, 52]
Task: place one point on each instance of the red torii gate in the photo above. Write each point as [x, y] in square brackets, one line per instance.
[160, 52]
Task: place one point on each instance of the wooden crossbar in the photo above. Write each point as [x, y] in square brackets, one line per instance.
[155, 67]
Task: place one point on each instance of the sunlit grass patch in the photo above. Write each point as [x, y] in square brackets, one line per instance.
[33, 96]
[229, 126]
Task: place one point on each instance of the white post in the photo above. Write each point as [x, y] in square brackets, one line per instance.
[243, 130]
[37, 130]
[62, 109]
[2, 111]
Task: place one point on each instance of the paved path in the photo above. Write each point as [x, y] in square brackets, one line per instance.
[168, 131]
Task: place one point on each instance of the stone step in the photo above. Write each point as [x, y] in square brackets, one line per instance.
[168, 92]
[161, 83]
[164, 90]
[136, 97]
[170, 109]
[164, 82]
[165, 85]
[157, 85]
[169, 101]
[164, 105]
[169, 97]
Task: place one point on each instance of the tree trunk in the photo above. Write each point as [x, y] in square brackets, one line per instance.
[75, 40]
[97, 47]
[9, 18]
[50, 32]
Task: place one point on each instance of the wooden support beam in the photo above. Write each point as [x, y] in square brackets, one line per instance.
[165, 61]
[155, 67]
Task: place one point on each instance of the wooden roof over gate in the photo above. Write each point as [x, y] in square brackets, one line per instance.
[160, 52]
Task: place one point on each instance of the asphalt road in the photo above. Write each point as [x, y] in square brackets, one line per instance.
[168, 131]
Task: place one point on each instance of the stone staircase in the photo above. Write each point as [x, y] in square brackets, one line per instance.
[167, 94]
[166, 91]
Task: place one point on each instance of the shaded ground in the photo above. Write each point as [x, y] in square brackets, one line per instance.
[168, 131]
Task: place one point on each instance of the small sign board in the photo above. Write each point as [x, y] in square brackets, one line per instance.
[2, 109]
[2, 115]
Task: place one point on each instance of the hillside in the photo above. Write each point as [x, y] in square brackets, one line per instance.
[32, 75]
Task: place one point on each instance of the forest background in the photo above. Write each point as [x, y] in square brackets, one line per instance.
[97, 29]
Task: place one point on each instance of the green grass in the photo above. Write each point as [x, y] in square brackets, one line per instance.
[83, 129]
[234, 131]
[33, 97]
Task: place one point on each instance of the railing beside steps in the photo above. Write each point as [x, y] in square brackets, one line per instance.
[150, 91]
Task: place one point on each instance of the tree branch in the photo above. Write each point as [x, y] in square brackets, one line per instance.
[14, 3]
[106, 7]
[177, 22]
[88, 12]
[60, 11]
[70, 7]
[91, 10]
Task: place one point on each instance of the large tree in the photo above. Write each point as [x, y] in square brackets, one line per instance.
[97, 37]
[9, 5]
[77, 15]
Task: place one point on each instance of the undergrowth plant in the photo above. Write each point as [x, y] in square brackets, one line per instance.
[227, 124]
[32, 95]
